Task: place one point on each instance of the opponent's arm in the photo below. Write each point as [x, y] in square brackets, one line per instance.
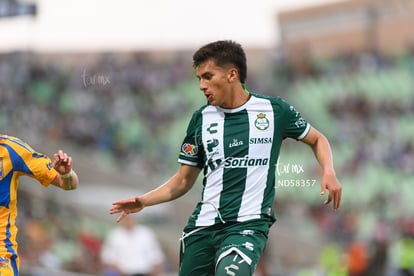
[67, 178]
[322, 150]
[173, 188]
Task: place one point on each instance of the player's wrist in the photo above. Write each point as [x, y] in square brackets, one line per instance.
[67, 175]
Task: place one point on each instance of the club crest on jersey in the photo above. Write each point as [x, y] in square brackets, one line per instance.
[261, 122]
[4, 263]
[189, 149]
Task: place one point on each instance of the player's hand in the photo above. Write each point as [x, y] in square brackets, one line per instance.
[62, 162]
[125, 207]
[331, 183]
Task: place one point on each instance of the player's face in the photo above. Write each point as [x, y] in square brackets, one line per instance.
[214, 82]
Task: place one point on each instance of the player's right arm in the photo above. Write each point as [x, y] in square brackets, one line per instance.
[179, 184]
[66, 178]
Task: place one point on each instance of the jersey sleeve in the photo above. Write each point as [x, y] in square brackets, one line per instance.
[34, 164]
[191, 147]
[296, 126]
[41, 168]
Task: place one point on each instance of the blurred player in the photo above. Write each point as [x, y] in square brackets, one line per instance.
[16, 159]
[132, 249]
[236, 140]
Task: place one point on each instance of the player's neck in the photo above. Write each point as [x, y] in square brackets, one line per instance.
[239, 98]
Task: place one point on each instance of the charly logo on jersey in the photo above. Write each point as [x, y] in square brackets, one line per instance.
[189, 149]
[212, 128]
[261, 122]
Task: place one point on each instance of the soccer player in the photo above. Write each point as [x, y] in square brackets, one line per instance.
[16, 159]
[235, 139]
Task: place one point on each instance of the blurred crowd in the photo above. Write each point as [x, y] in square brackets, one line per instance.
[122, 106]
[106, 104]
[54, 237]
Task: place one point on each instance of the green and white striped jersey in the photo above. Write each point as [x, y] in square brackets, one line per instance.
[238, 150]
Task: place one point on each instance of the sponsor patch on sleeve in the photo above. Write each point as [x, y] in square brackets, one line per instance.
[189, 149]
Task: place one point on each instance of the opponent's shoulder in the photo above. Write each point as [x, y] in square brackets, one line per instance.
[8, 138]
[15, 142]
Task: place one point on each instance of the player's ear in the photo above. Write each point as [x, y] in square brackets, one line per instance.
[232, 74]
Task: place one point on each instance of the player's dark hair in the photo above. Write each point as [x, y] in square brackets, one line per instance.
[224, 53]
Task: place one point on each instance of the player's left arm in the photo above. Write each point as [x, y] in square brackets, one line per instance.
[66, 178]
[323, 153]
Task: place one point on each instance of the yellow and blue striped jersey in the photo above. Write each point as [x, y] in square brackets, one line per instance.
[16, 159]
